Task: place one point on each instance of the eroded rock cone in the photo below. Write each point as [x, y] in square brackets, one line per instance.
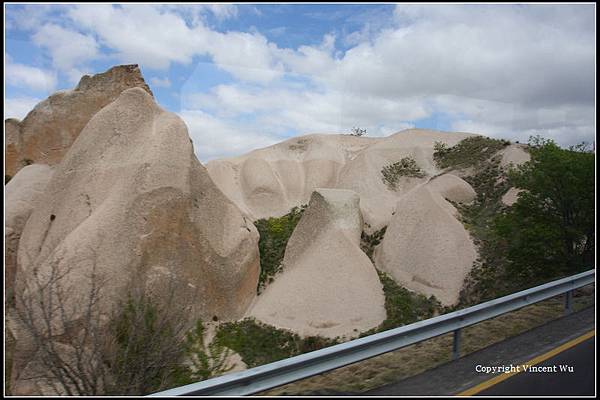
[328, 286]
[47, 132]
[130, 204]
[426, 248]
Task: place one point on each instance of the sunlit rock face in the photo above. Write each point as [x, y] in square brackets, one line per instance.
[130, 204]
[46, 133]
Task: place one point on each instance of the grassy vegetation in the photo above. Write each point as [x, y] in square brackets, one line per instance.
[403, 306]
[487, 279]
[207, 359]
[155, 352]
[274, 235]
[259, 344]
[417, 358]
[490, 182]
[468, 152]
[148, 349]
[369, 242]
[405, 167]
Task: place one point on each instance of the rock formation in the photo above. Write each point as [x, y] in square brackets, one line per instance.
[511, 196]
[131, 192]
[453, 188]
[22, 194]
[47, 132]
[425, 248]
[328, 286]
[514, 154]
[131, 204]
[117, 197]
[270, 181]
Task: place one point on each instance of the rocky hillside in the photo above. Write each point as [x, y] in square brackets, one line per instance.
[400, 183]
[286, 249]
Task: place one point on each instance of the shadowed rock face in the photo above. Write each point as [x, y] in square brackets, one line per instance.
[131, 200]
[22, 194]
[47, 132]
[328, 286]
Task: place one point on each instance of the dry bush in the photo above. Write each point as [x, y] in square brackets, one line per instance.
[85, 343]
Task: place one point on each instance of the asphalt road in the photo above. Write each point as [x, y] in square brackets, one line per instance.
[580, 382]
[459, 376]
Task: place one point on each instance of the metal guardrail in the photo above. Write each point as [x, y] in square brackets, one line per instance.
[279, 373]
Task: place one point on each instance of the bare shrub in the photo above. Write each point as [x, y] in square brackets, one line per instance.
[356, 131]
[84, 343]
[50, 316]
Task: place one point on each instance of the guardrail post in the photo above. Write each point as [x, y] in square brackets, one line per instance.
[456, 345]
[568, 297]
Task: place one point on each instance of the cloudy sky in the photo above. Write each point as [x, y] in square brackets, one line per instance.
[246, 76]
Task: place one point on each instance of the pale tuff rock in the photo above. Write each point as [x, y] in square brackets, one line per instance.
[131, 194]
[47, 132]
[511, 196]
[425, 248]
[514, 155]
[12, 146]
[131, 200]
[453, 188]
[22, 194]
[269, 182]
[328, 286]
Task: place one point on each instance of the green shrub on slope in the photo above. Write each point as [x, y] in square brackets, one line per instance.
[274, 235]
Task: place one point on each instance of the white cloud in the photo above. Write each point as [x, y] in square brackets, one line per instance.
[141, 33]
[158, 36]
[28, 17]
[247, 56]
[19, 107]
[21, 75]
[162, 83]
[566, 124]
[494, 69]
[68, 49]
[214, 138]
[286, 109]
[222, 11]
[489, 72]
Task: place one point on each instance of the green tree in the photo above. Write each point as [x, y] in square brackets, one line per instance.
[549, 231]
